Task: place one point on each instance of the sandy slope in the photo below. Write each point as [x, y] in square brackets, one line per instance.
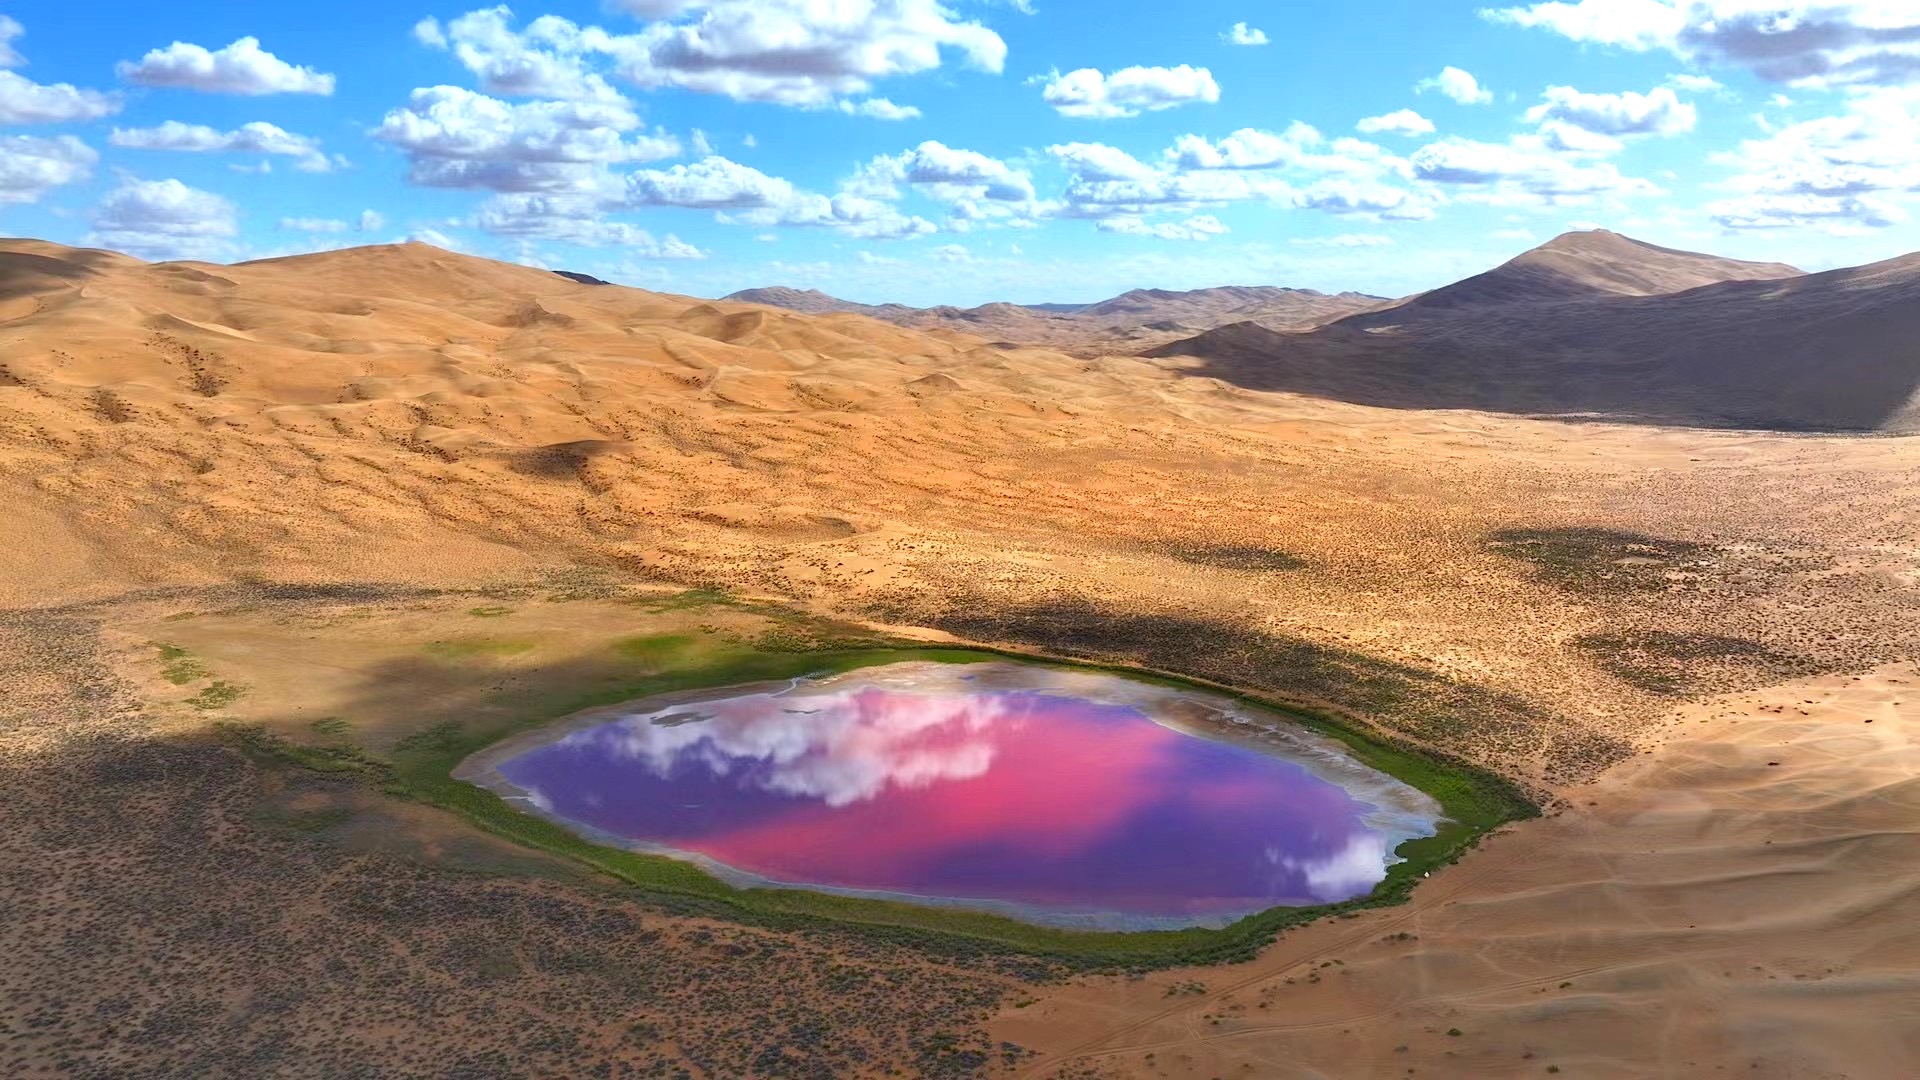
[1739, 901]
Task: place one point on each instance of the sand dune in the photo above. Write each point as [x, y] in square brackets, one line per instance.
[1561, 331]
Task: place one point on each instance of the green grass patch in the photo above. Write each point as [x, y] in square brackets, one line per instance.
[219, 695]
[261, 745]
[179, 666]
[330, 725]
[491, 611]
[1474, 801]
[659, 650]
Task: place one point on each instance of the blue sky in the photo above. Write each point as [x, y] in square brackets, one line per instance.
[960, 152]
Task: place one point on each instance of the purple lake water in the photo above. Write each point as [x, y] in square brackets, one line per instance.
[1059, 796]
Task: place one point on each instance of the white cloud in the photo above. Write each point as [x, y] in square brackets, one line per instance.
[713, 183]
[436, 238]
[1100, 162]
[240, 68]
[952, 174]
[1459, 85]
[371, 221]
[1801, 42]
[312, 225]
[1344, 240]
[741, 193]
[550, 59]
[803, 53]
[1660, 112]
[458, 138]
[1852, 167]
[257, 137]
[1199, 227]
[1297, 169]
[578, 220]
[164, 219]
[1242, 34]
[427, 32]
[952, 253]
[23, 101]
[1248, 148]
[1799, 211]
[31, 167]
[880, 109]
[1695, 84]
[1525, 170]
[10, 29]
[1129, 91]
[1399, 122]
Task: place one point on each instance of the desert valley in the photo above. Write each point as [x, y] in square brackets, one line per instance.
[1605, 561]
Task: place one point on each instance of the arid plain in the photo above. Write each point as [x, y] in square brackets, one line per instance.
[345, 499]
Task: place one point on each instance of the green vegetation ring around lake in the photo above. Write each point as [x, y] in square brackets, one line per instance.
[421, 767]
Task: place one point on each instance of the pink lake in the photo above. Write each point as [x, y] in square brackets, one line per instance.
[1059, 796]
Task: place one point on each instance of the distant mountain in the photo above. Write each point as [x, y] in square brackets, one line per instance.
[583, 279]
[1595, 323]
[1126, 323]
[1588, 264]
[810, 301]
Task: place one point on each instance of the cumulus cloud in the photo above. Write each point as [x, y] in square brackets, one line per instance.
[549, 59]
[459, 138]
[10, 28]
[1847, 168]
[241, 68]
[953, 174]
[372, 221]
[257, 137]
[1403, 122]
[1843, 213]
[1660, 112]
[577, 220]
[164, 219]
[1801, 42]
[880, 109]
[31, 167]
[1242, 34]
[23, 101]
[742, 193]
[1296, 169]
[1129, 91]
[798, 52]
[1695, 84]
[1247, 148]
[1199, 227]
[1522, 171]
[801, 53]
[1459, 85]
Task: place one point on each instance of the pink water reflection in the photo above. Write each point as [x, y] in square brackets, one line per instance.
[1034, 798]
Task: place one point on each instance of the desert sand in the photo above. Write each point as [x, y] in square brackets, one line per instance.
[399, 487]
